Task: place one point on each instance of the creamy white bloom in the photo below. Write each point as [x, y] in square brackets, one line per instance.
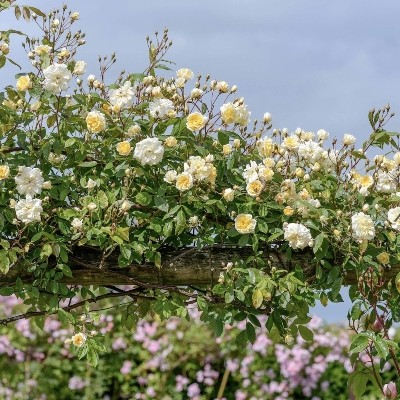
[386, 182]
[250, 173]
[242, 115]
[228, 194]
[348, 139]
[298, 235]
[42, 49]
[122, 97]
[80, 68]
[245, 223]
[267, 117]
[228, 113]
[91, 184]
[362, 226]
[29, 181]
[28, 210]
[199, 168]
[179, 82]
[184, 73]
[184, 181]
[77, 224]
[315, 203]
[222, 86]
[194, 221]
[265, 147]
[196, 93]
[254, 188]
[92, 206]
[79, 339]
[322, 134]
[394, 218]
[161, 108]
[311, 151]
[170, 176]
[149, 151]
[291, 143]
[56, 78]
[126, 205]
[134, 130]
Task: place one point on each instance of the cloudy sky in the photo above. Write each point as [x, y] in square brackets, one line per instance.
[311, 63]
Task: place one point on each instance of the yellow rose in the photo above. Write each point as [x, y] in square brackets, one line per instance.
[4, 172]
[245, 223]
[124, 148]
[196, 121]
[266, 174]
[79, 339]
[288, 211]
[254, 188]
[24, 83]
[383, 258]
[96, 122]
[291, 143]
[228, 113]
[213, 175]
[134, 130]
[365, 180]
[171, 141]
[226, 149]
[265, 147]
[184, 181]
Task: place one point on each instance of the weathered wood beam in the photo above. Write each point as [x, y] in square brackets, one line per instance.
[190, 266]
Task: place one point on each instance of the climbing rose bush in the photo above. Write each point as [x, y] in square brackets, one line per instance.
[166, 161]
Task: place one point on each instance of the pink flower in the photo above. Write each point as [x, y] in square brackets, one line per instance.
[390, 391]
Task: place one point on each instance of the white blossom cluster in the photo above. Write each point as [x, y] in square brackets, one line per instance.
[29, 183]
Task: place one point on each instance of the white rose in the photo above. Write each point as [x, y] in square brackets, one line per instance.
[362, 226]
[298, 235]
[170, 176]
[184, 73]
[348, 140]
[80, 68]
[29, 181]
[149, 151]
[228, 194]
[28, 209]
[322, 134]
[56, 78]
[77, 223]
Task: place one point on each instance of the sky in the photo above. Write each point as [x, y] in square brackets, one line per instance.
[311, 63]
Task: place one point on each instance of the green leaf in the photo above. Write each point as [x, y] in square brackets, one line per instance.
[88, 164]
[143, 198]
[359, 343]
[92, 357]
[381, 347]
[306, 333]
[251, 332]
[65, 317]
[257, 298]
[180, 222]
[241, 339]
[103, 200]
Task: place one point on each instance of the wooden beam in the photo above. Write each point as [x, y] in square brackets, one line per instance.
[189, 266]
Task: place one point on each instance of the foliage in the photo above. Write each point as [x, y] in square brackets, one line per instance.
[152, 163]
[174, 359]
